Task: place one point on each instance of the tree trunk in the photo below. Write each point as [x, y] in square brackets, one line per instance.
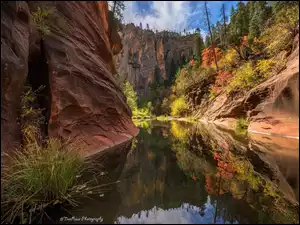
[224, 24]
[211, 39]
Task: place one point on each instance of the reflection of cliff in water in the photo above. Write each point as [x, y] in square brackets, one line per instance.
[239, 177]
[247, 169]
[178, 172]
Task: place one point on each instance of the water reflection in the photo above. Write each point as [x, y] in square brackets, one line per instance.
[185, 214]
[182, 173]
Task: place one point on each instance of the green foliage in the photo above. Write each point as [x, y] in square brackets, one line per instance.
[31, 118]
[260, 12]
[131, 99]
[264, 67]
[179, 107]
[40, 176]
[241, 127]
[41, 19]
[279, 36]
[198, 45]
[244, 79]
[229, 60]
[190, 75]
[130, 94]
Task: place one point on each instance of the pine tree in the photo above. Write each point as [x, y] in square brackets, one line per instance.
[218, 37]
[207, 41]
[148, 26]
[116, 15]
[259, 13]
[224, 30]
[198, 45]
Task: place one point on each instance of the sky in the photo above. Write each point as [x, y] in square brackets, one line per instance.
[173, 15]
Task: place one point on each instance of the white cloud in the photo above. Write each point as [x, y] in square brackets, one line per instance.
[164, 15]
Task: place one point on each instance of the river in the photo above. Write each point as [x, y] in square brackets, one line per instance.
[179, 172]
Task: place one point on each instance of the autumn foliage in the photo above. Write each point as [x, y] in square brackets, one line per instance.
[222, 78]
[208, 56]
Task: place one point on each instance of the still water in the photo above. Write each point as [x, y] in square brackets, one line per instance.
[177, 172]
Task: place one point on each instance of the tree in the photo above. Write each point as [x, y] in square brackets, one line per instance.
[148, 26]
[116, 14]
[259, 13]
[198, 45]
[207, 41]
[207, 23]
[141, 26]
[224, 18]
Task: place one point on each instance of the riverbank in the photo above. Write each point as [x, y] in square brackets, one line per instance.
[231, 124]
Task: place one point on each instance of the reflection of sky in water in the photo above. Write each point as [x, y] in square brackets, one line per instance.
[185, 214]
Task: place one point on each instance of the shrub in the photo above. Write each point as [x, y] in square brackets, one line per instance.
[241, 127]
[208, 56]
[264, 67]
[41, 18]
[223, 78]
[186, 78]
[179, 107]
[30, 117]
[229, 60]
[244, 79]
[130, 95]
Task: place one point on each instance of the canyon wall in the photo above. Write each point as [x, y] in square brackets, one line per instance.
[147, 56]
[74, 60]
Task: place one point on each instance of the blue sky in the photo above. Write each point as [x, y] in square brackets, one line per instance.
[173, 15]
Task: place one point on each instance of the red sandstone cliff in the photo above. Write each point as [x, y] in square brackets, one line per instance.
[83, 99]
[146, 54]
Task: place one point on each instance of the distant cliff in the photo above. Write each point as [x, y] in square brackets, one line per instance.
[147, 55]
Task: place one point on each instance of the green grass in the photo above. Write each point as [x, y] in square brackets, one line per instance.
[37, 177]
[241, 128]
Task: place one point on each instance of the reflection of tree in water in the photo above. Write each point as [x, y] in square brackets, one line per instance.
[238, 191]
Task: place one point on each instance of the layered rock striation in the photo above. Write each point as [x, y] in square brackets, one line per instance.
[74, 60]
[147, 56]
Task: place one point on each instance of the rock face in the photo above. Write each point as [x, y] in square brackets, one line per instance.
[146, 56]
[272, 106]
[84, 99]
[14, 68]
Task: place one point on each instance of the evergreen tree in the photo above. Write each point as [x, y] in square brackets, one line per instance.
[207, 41]
[116, 15]
[259, 13]
[198, 45]
[218, 35]
[224, 28]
